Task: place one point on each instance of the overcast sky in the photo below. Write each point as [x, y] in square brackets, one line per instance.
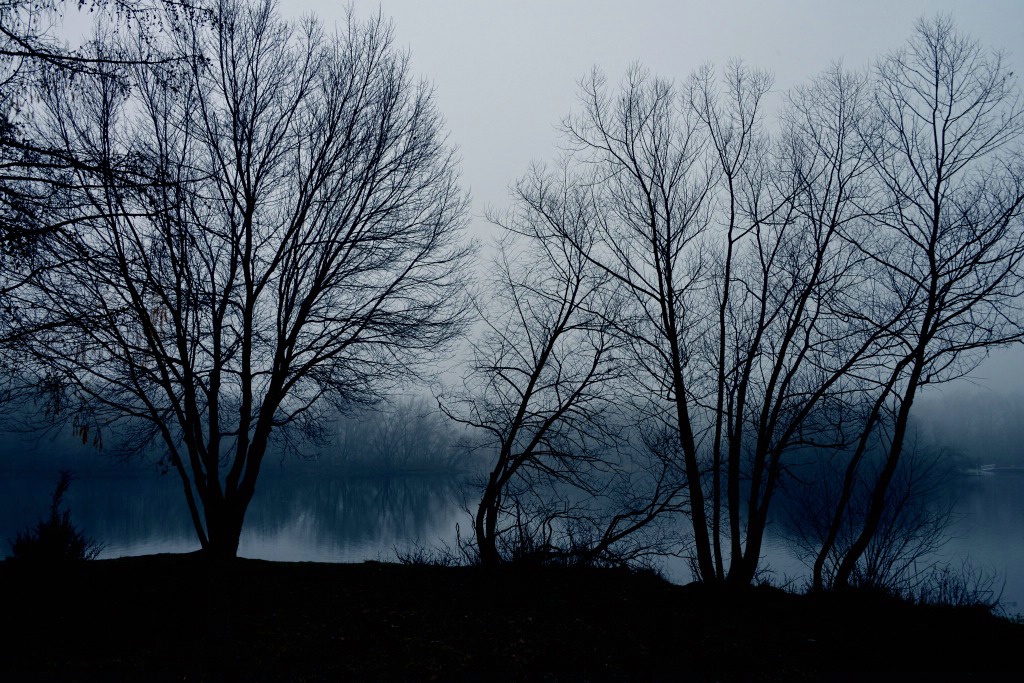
[505, 72]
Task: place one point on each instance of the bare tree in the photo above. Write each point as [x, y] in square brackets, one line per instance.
[912, 529]
[949, 243]
[780, 298]
[784, 284]
[542, 393]
[653, 195]
[732, 131]
[32, 172]
[292, 242]
[30, 49]
[728, 251]
[31, 33]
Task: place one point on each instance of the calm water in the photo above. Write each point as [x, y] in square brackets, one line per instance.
[351, 519]
[293, 517]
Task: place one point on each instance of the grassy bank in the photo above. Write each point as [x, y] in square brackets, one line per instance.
[177, 617]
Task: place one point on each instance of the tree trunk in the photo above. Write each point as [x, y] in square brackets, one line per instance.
[881, 489]
[486, 522]
[224, 528]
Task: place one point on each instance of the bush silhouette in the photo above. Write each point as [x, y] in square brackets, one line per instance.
[55, 540]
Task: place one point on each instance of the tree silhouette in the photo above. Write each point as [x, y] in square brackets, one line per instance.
[787, 296]
[948, 240]
[271, 227]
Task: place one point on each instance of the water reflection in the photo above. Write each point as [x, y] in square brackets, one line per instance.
[340, 518]
[123, 510]
[322, 517]
[302, 517]
[989, 531]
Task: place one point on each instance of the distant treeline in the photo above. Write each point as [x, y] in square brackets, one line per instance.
[976, 426]
[407, 436]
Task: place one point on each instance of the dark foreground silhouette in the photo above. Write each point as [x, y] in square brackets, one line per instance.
[179, 617]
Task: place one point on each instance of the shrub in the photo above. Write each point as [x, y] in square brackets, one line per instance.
[969, 586]
[57, 539]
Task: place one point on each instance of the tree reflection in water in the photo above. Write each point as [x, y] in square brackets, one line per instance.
[317, 516]
[351, 518]
[300, 517]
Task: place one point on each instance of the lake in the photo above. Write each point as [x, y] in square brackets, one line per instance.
[301, 516]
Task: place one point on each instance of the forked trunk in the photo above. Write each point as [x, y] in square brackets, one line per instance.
[224, 528]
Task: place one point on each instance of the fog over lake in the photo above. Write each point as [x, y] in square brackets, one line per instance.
[313, 510]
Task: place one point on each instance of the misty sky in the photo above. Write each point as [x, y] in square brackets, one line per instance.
[505, 72]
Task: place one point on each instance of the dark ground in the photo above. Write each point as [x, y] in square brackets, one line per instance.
[177, 617]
